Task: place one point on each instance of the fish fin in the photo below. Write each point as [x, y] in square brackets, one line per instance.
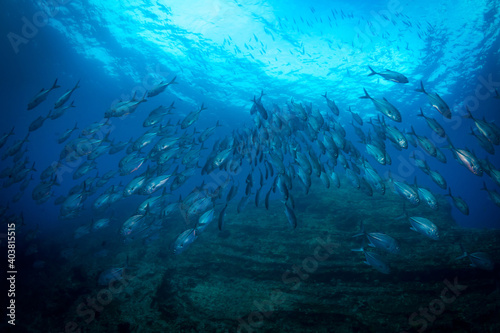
[54, 86]
[358, 250]
[372, 71]
[449, 193]
[173, 81]
[469, 114]
[400, 217]
[412, 132]
[366, 94]
[421, 88]
[472, 132]
[484, 186]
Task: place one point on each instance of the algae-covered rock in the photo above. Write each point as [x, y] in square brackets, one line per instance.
[260, 275]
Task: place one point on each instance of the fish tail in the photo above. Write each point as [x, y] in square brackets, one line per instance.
[449, 193]
[76, 85]
[472, 131]
[373, 72]
[450, 144]
[366, 94]
[412, 132]
[54, 86]
[362, 231]
[173, 81]
[463, 255]
[143, 99]
[421, 113]
[469, 114]
[11, 131]
[484, 186]
[324, 94]
[202, 107]
[422, 89]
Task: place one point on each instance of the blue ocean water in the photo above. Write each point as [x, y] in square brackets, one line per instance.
[222, 55]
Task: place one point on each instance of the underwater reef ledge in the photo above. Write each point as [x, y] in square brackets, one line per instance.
[260, 275]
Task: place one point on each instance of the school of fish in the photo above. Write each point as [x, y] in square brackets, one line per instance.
[286, 147]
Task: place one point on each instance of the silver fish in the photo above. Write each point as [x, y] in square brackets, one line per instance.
[424, 226]
[64, 98]
[185, 239]
[390, 75]
[386, 108]
[41, 96]
[436, 101]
